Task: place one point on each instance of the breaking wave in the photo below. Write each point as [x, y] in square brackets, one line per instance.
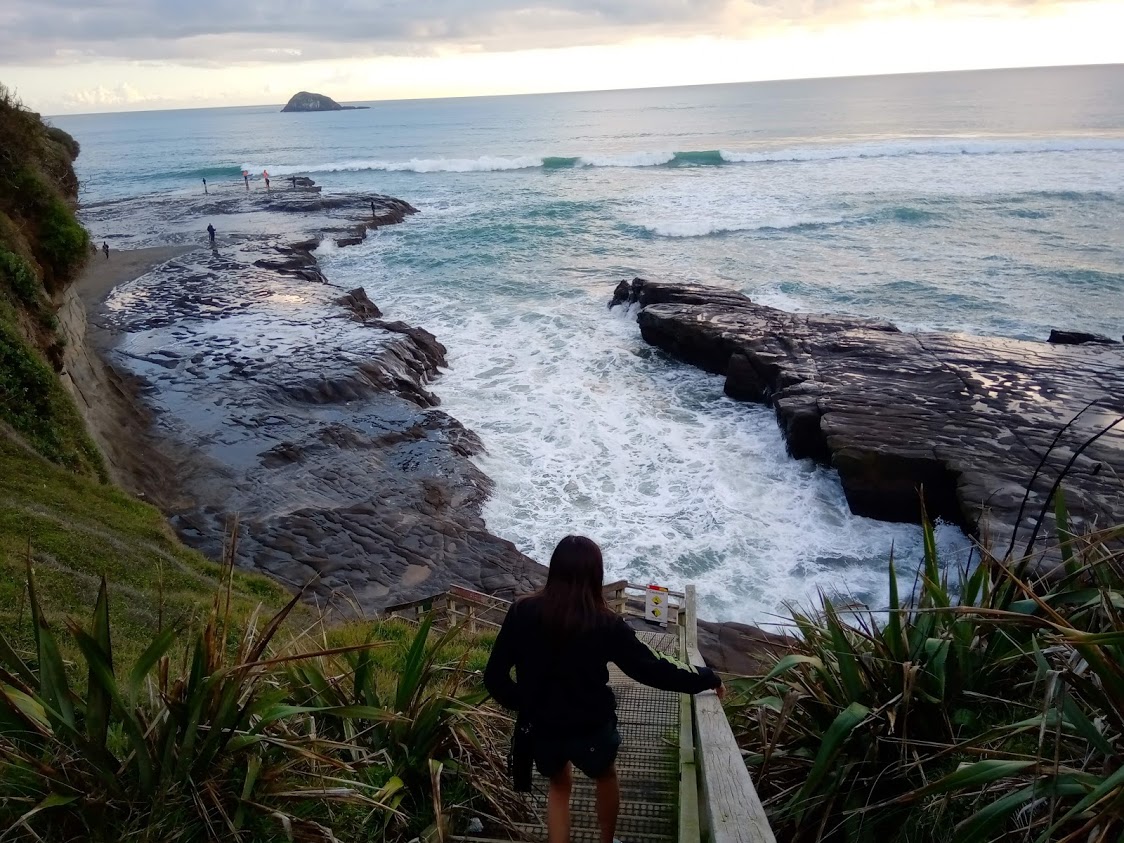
[712, 157]
[707, 228]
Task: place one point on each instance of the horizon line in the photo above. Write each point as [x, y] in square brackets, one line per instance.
[605, 90]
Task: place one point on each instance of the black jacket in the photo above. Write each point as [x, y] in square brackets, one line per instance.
[565, 684]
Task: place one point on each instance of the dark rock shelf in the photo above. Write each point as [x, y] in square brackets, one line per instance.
[967, 418]
[269, 399]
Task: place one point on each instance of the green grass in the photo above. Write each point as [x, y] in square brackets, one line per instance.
[36, 405]
[78, 530]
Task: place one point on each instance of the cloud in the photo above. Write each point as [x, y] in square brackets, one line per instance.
[63, 31]
[101, 96]
[219, 32]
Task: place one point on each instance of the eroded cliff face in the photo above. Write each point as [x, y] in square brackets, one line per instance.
[110, 402]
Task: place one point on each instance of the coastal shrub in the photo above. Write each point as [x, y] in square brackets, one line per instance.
[952, 719]
[65, 140]
[20, 278]
[35, 404]
[196, 745]
[224, 734]
[20, 133]
[37, 186]
[64, 244]
[441, 746]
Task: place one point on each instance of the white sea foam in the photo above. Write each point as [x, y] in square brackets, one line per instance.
[588, 431]
[485, 163]
[924, 146]
[708, 227]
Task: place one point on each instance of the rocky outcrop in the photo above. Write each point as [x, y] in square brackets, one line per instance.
[1079, 338]
[966, 418]
[360, 305]
[742, 650]
[305, 101]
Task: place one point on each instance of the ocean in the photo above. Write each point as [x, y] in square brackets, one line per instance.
[987, 202]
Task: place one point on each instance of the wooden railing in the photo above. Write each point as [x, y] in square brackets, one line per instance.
[722, 796]
[477, 611]
[481, 612]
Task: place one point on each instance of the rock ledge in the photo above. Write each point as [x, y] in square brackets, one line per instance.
[966, 418]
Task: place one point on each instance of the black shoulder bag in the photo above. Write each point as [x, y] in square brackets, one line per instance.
[520, 757]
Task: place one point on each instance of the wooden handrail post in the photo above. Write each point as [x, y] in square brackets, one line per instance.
[731, 811]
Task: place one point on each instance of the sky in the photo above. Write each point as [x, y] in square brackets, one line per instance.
[74, 56]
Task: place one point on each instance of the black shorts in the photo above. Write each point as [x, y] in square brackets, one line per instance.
[591, 752]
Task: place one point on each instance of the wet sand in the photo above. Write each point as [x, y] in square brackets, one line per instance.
[101, 276]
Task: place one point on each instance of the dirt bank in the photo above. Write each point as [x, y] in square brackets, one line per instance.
[115, 418]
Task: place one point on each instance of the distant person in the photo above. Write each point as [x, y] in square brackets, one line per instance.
[204, 185]
[211, 234]
[374, 213]
[246, 178]
[105, 248]
[265, 175]
[294, 182]
[560, 642]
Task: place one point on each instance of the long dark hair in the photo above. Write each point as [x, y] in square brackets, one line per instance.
[572, 600]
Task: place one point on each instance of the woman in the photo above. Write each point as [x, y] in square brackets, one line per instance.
[560, 641]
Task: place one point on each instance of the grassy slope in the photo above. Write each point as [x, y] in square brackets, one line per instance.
[80, 529]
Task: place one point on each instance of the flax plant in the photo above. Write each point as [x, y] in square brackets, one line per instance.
[995, 713]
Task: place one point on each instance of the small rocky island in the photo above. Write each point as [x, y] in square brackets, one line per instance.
[305, 101]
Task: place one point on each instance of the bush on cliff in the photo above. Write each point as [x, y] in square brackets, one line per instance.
[969, 717]
[63, 243]
[37, 407]
[37, 187]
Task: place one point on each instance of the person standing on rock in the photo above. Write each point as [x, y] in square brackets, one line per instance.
[211, 234]
[105, 248]
[560, 641]
[374, 213]
[205, 186]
